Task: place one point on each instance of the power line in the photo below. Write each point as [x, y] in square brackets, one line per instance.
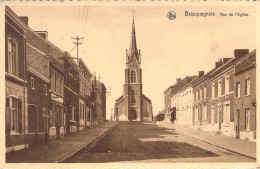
[82, 18]
[72, 48]
[78, 20]
[85, 19]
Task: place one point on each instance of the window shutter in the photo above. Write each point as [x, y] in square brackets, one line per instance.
[231, 85]
[216, 89]
[223, 85]
[7, 121]
[20, 113]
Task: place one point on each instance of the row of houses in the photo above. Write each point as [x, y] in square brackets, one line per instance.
[48, 92]
[222, 100]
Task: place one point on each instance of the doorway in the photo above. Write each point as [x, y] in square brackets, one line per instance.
[237, 123]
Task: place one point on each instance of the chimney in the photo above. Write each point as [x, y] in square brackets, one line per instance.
[43, 34]
[201, 73]
[225, 60]
[24, 19]
[217, 64]
[240, 53]
[178, 80]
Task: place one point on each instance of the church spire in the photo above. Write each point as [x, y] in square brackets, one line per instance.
[133, 47]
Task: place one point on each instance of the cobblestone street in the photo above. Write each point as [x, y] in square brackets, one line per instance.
[146, 142]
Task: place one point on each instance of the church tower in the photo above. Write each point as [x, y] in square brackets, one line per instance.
[133, 79]
[133, 105]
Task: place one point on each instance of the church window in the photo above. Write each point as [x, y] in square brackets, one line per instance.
[133, 76]
[132, 96]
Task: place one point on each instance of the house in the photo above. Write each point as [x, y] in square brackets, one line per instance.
[16, 106]
[85, 101]
[245, 97]
[38, 92]
[71, 94]
[221, 95]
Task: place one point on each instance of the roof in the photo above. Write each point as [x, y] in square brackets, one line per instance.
[147, 99]
[178, 86]
[247, 62]
[121, 98]
[18, 21]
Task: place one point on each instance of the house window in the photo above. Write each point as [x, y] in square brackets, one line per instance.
[247, 87]
[14, 106]
[227, 85]
[52, 80]
[205, 113]
[132, 96]
[197, 96]
[226, 113]
[219, 114]
[219, 88]
[32, 83]
[72, 113]
[213, 91]
[12, 66]
[133, 76]
[205, 92]
[238, 90]
[196, 114]
[212, 114]
[45, 90]
[247, 119]
[200, 94]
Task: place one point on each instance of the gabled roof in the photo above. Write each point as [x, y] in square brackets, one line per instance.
[246, 63]
[147, 99]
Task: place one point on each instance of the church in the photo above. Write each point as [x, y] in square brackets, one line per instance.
[133, 105]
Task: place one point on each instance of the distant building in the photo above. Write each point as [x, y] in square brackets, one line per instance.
[133, 104]
[104, 105]
[221, 93]
[184, 113]
[98, 100]
[175, 113]
[71, 94]
[245, 97]
[86, 104]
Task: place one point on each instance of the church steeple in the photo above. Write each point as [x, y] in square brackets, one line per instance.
[133, 47]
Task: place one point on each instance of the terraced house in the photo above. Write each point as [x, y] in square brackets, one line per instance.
[47, 93]
[16, 106]
[245, 97]
[86, 104]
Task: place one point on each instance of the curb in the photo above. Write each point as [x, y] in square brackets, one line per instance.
[87, 144]
[236, 152]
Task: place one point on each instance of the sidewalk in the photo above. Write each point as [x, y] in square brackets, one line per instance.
[58, 149]
[243, 147]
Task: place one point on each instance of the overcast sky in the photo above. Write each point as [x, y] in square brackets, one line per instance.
[169, 48]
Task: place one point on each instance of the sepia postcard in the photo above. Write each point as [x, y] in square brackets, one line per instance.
[131, 84]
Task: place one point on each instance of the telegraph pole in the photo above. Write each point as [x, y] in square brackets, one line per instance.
[77, 43]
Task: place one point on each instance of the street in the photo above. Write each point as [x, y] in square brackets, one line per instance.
[146, 142]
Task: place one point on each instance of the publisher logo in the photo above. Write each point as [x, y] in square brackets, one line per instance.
[171, 15]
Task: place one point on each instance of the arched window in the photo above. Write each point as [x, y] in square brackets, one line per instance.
[133, 76]
[132, 96]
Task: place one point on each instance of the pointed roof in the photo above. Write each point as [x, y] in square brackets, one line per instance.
[133, 47]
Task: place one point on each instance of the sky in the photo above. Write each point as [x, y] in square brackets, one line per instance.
[170, 49]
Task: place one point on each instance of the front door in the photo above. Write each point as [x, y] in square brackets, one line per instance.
[237, 123]
[133, 115]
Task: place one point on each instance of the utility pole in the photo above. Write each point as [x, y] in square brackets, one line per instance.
[77, 43]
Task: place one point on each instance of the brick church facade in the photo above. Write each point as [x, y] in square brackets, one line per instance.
[133, 105]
